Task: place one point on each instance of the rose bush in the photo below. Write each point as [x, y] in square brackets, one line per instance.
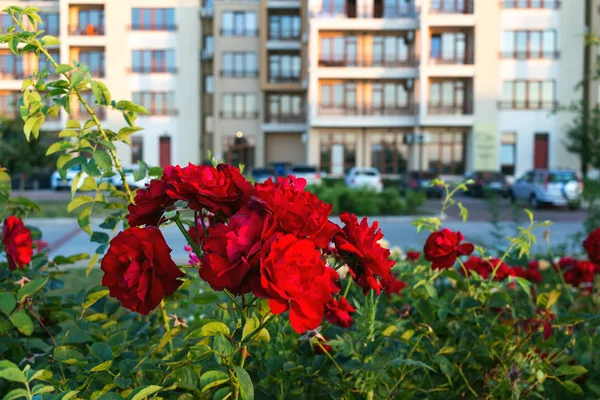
[277, 301]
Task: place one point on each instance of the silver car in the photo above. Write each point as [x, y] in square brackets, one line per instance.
[558, 187]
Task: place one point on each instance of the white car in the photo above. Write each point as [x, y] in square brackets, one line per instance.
[311, 174]
[56, 182]
[129, 177]
[555, 186]
[363, 177]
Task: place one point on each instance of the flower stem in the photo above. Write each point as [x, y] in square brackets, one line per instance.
[191, 242]
[347, 287]
[165, 317]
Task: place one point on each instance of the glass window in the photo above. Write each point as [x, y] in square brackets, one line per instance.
[51, 23]
[137, 149]
[209, 85]
[508, 152]
[535, 44]
[520, 94]
[549, 43]
[548, 95]
[238, 23]
[153, 19]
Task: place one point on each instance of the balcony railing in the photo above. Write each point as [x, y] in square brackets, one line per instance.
[141, 69]
[377, 11]
[452, 59]
[239, 114]
[451, 7]
[278, 78]
[240, 32]
[450, 109]
[207, 12]
[527, 105]
[286, 118]
[285, 35]
[366, 62]
[13, 74]
[86, 30]
[153, 27]
[528, 55]
[530, 4]
[368, 110]
[207, 54]
[234, 73]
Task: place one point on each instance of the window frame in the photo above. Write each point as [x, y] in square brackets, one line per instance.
[154, 60]
[515, 104]
[239, 70]
[527, 54]
[168, 26]
[280, 76]
[239, 114]
[148, 99]
[239, 30]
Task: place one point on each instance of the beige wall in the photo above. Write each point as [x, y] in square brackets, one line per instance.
[285, 147]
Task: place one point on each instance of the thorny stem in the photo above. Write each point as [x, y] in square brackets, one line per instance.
[39, 320]
[347, 287]
[112, 152]
[341, 371]
[165, 318]
[466, 272]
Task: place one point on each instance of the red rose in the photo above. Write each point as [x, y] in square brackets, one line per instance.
[534, 275]
[221, 189]
[393, 286]
[339, 312]
[533, 325]
[443, 247]
[233, 252]
[566, 262]
[138, 269]
[592, 246]
[368, 261]
[294, 277]
[150, 204]
[298, 212]
[18, 243]
[534, 264]
[478, 265]
[413, 255]
[582, 272]
[485, 268]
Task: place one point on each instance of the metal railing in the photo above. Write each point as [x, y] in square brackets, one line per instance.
[451, 7]
[239, 114]
[376, 11]
[142, 69]
[527, 105]
[465, 108]
[86, 30]
[366, 62]
[454, 59]
[239, 32]
[239, 73]
[279, 78]
[153, 27]
[368, 110]
[526, 55]
[285, 118]
[530, 4]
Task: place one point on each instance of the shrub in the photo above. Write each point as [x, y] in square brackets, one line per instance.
[415, 200]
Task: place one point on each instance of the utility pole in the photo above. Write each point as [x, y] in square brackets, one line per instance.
[586, 90]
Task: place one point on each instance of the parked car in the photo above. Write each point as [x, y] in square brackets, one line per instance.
[281, 167]
[558, 187]
[311, 174]
[130, 178]
[487, 182]
[56, 182]
[364, 177]
[260, 175]
[421, 181]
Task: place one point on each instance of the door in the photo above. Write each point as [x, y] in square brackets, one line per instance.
[540, 151]
[164, 151]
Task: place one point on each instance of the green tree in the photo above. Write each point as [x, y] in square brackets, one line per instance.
[20, 156]
[583, 138]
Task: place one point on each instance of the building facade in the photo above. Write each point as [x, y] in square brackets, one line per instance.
[143, 50]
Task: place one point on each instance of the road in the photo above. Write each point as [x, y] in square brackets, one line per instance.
[65, 237]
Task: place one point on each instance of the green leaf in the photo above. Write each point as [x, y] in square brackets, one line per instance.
[26, 83]
[211, 379]
[499, 299]
[50, 40]
[143, 392]
[76, 78]
[13, 45]
[572, 387]
[552, 298]
[73, 124]
[128, 130]
[62, 68]
[251, 325]
[16, 394]
[103, 160]
[105, 93]
[525, 285]
[102, 367]
[89, 183]
[68, 355]
[570, 370]
[410, 363]
[246, 386]
[7, 302]
[60, 146]
[68, 133]
[92, 298]
[131, 106]
[211, 329]
[41, 389]
[78, 202]
[100, 237]
[29, 125]
[30, 288]
[84, 220]
[22, 322]
[13, 375]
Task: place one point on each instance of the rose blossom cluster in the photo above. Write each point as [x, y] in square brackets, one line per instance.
[273, 240]
[17, 243]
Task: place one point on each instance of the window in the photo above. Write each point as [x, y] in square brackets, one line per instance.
[390, 51]
[94, 59]
[397, 8]
[153, 19]
[390, 97]
[146, 61]
[337, 7]
[530, 44]
[239, 65]
[451, 6]
[209, 84]
[338, 152]
[338, 50]
[6, 22]
[208, 44]
[137, 149]
[239, 106]
[90, 22]
[238, 23]
[285, 108]
[285, 68]
[449, 97]
[528, 95]
[531, 3]
[285, 27]
[90, 99]
[9, 104]
[11, 66]
[44, 63]
[157, 103]
[389, 154]
[450, 48]
[51, 23]
[508, 153]
[443, 153]
[336, 97]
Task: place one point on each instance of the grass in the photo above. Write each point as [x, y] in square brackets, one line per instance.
[58, 209]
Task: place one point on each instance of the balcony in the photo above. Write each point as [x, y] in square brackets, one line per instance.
[239, 114]
[452, 59]
[530, 55]
[527, 105]
[286, 4]
[229, 73]
[239, 33]
[394, 11]
[283, 118]
[451, 7]
[86, 30]
[207, 12]
[284, 78]
[207, 54]
[465, 108]
[342, 61]
[530, 4]
[368, 110]
[364, 116]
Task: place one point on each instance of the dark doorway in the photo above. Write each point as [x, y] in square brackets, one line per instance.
[164, 151]
[540, 151]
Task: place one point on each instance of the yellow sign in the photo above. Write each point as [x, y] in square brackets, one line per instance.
[485, 140]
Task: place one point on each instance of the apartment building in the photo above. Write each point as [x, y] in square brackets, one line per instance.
[143, 50]
[445, 86]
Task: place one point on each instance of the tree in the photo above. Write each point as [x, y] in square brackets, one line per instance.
[583, 138]
[18, 155]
